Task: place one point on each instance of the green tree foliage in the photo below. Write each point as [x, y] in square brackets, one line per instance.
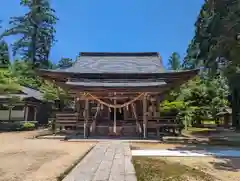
[216, 46]
[36, 30]
[25, 75]
[217, 35]
[52, 92]
[65, 63]
[4, 54]
[191, 60]
[20, 73]
[205, 97]
[8, 83]
[174, 62]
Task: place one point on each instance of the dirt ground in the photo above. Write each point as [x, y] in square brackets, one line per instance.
[24, 159]
[221, 168]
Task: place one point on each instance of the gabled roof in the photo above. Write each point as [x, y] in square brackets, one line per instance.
[110, 62]
[26, 93]
[32, 93]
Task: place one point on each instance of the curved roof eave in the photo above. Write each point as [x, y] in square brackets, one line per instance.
[64, 72]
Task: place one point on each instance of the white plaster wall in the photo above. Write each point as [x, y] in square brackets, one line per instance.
[16, 114]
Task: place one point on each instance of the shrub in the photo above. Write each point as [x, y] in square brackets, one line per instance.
[27, 126]
[17, 126]
[171, 108]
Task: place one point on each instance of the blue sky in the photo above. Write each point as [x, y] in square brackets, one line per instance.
[118, 25]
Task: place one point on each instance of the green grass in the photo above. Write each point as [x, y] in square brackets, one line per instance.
[199, 131]
[208, 122]
[155, 169]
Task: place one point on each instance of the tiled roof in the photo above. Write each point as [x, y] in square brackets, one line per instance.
[26, 93]
[149, 62]
[32, 93]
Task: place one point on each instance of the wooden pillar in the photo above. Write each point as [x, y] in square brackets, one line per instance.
[115, 115]
[35, 113]
[10, 113]
[24, 110]
[86, 117]
[135, 116]
[26, 113]
[145, 116]
[95, 118]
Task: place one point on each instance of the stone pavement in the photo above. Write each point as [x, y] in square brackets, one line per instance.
[107, 161]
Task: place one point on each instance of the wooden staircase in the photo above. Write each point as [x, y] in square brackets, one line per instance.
[66, 119]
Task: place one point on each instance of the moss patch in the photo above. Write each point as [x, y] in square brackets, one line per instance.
[155, 169]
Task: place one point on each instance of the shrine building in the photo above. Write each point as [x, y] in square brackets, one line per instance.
[117, 94]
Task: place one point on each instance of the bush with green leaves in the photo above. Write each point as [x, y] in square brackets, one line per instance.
[17, 126]
[28, 126]
[171, 108]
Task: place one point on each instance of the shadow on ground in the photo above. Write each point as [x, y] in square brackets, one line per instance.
[208, 146]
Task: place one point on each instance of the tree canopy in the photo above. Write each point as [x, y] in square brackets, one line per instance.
[36, 30]
[174, 62]
[65, 63]
[216, 40]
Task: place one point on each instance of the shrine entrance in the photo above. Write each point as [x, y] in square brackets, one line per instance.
[119, 115]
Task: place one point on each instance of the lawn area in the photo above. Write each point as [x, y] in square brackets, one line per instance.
[157, 169]
[215, 136]
[184, 168]
[201, 131]
[23, 159]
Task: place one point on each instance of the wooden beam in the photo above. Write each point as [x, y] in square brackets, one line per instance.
[109, 98]
[104, 94]
[115, 89]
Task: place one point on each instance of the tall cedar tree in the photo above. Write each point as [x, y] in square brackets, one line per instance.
[174, 62]
[65, 63]
[4, 55]
[216, 40]
[36, 30]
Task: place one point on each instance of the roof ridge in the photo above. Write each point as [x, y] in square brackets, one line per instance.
[123, 54]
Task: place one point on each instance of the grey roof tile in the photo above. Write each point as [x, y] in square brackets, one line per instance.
[32, 93]
[117, 63]
[26, 93]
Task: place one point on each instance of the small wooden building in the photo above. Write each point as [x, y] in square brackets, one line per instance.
[27, 105]
[225, 117]
[117, 93]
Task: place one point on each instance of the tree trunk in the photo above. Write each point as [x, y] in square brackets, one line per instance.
[33, 46]
[35, 32]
